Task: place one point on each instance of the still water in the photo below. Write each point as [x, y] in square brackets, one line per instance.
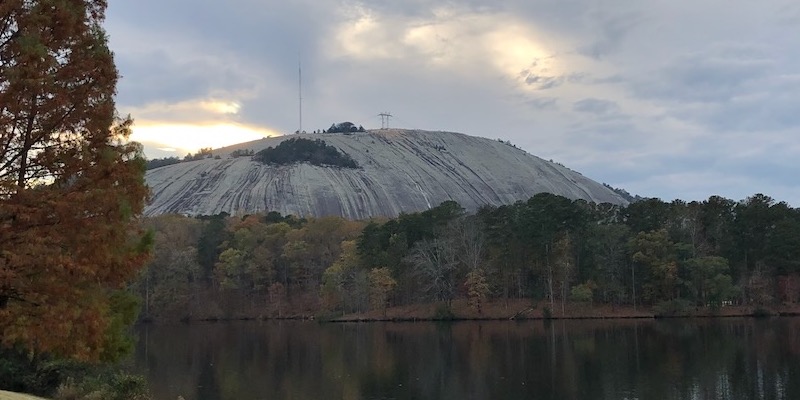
[600, 359]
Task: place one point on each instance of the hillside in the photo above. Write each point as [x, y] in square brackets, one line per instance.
[398, 171]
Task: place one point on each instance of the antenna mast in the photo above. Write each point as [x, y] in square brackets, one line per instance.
[300, 93]
[385, 119]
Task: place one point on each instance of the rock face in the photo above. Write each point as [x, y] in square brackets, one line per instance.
[400, 171]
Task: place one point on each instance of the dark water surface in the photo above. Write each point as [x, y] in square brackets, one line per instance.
[599, 359]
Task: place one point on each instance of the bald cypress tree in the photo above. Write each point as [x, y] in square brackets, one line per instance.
[71, 184]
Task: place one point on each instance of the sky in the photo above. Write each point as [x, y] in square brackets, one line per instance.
[669, 99]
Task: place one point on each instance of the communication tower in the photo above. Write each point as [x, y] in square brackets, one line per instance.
[300, 94]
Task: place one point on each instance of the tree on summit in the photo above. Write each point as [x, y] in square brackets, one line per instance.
[71, 184]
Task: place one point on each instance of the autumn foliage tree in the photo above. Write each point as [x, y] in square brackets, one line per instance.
[381, 284]
[71, 185]
[477, 289]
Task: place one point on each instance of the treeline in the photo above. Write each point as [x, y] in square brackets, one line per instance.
[344, 127]
[668, 256]
[201, 154]
[162, 162]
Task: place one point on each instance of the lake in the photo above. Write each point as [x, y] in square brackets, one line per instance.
[728, 358]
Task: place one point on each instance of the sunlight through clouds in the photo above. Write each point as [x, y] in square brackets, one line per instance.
[188, 126]
[205, 110]
[465, 42]
[185, 138]
[221, 107]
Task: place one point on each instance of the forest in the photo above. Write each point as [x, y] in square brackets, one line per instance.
[663, 256]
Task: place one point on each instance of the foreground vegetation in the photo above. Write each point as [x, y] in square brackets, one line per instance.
[63, 379]
[666, 258]
[71, 190]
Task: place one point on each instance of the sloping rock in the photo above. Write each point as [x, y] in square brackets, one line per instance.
[401, 171]
[4, 395]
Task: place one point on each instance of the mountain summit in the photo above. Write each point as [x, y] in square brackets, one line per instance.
[361, 175]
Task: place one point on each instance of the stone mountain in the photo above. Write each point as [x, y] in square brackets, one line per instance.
[398, 171]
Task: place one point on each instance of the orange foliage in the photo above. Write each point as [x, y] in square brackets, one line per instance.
[71, 186]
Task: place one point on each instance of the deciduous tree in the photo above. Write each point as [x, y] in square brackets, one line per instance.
[343, 282]
[71, 185]
[436, 267]
[477, 289]
[381, 284]
[710, 282]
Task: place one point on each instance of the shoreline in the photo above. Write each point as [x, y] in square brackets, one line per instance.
[500, 310]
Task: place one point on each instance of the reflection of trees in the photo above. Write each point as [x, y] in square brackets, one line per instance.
[675, 359]
[207, 386]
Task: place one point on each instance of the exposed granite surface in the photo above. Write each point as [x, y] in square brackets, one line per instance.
[401, 171]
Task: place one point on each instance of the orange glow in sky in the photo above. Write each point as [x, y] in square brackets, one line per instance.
[188, 138]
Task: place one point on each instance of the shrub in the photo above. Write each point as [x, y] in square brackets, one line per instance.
[67, 380]
[671, 308]
[39, 375]
[444, 312]
[242, 153]
[161, 162]
[327, 315]
[761, 313]
[114, 386]
[582, 293]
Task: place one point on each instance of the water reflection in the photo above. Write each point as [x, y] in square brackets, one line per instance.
[602, 359]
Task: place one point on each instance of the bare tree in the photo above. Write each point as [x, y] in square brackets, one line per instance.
[469, 240]
[435, 263]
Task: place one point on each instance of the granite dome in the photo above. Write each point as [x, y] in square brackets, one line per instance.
[399, 171]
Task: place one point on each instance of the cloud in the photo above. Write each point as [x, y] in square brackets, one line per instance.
[543, 82]
[187, 126]
[198, 111]
[543, 103]
[596, 106]
[456, 39]
[789, 14]
[536, 76]
[704, 77]
[611, 31]
[772, 108]
[658, 97]
[188, 138]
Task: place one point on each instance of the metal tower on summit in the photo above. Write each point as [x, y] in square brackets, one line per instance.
[300, 94]
[385, 119]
